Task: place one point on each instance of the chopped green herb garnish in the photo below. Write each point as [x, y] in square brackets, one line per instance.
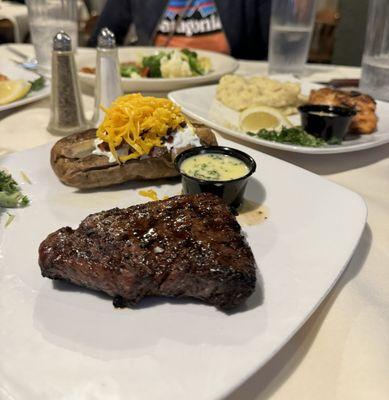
[295, 135]
[210, 174]
[25, 177]
[38, 84]
[10, 194]
[10, 218]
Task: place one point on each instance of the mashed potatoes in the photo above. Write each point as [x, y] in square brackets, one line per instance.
[240, 93]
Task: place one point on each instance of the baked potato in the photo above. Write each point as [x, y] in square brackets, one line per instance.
[75, 165]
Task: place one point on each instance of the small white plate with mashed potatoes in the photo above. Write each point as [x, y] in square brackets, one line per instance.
[241, 104]
[177, 73]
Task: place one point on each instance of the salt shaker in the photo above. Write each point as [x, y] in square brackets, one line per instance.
[108, 84]
[66, 111]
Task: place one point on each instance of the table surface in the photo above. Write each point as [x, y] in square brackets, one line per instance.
[342, 352]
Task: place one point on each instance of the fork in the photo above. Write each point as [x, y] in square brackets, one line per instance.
[30, 63]
[26, 66]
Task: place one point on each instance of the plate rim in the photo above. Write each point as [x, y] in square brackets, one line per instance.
[274, 145]
[195, 79]
[330, 288]
[27, 100]
[357, 237]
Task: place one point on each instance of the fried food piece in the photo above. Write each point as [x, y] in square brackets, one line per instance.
[3, 77]
[364, 122]
[88, 70]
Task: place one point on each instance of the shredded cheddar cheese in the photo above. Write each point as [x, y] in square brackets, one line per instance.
[150, 194]
[139, 121]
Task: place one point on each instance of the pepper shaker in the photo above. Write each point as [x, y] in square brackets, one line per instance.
[66, 111]
[108, 82]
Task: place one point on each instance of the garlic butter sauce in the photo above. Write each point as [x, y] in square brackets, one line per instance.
[214, 167]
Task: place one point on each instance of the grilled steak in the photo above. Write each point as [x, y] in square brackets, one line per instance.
[186, 246]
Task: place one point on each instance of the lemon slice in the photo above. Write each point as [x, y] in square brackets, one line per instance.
[13, 90]
[256, 118]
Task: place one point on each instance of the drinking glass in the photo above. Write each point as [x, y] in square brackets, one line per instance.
[46, 18]
[375, 61]
[290, 35]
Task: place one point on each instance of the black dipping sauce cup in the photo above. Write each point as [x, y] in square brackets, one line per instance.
[329, 123]
[230, 191]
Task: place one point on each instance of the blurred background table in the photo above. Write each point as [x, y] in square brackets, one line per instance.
[14, 27]
[14, 19]
[342, 351]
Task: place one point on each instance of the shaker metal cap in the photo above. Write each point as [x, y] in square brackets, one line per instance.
[62, 42]
[106, 39]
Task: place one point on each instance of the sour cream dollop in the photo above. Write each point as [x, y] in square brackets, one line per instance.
[182, 138]
[123, 151]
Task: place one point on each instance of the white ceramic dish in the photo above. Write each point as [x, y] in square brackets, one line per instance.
[221, 64]
[13, 71]
[201, 104]
[59, 341]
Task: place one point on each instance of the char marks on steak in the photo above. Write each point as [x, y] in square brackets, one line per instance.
[186, 246]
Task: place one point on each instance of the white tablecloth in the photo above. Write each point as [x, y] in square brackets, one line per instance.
[342, 352]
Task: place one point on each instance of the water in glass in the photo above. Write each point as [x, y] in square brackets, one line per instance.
[42, 33]
[289, 49]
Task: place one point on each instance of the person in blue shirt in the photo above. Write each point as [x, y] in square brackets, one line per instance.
[237, 27]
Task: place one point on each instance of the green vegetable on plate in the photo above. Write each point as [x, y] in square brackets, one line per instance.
[37, 84]
[194, 62]
[10, 193]
[10, 218]
[128, 70]
[295, 135]
[154, 64]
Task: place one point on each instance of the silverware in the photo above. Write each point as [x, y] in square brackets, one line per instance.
[17, 52]
[30, 63]
[27, 66]
[339, 83]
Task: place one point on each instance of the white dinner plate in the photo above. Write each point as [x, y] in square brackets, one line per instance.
[59, 341]
[221, 65]
[200, 103]
[13, 71]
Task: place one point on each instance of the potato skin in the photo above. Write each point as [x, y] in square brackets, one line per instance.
[73, 163]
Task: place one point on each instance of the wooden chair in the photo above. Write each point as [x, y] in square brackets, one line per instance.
[323, 36]
[6, 31]
[87, 27]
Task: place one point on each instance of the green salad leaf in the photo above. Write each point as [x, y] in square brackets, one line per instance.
[38, 84]
[153, 63]
[295, 135]
[194, 62]
[10, 194]
[128, 70]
